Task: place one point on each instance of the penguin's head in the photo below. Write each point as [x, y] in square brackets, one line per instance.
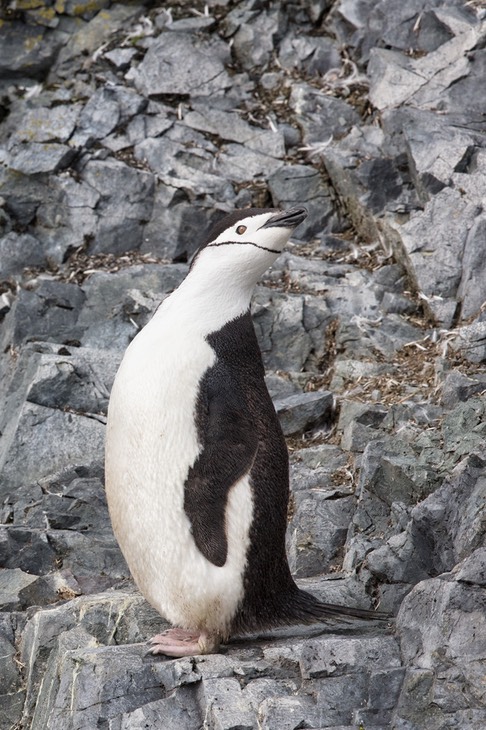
[246, 242]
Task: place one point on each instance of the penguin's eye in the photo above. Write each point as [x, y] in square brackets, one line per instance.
[240, 230]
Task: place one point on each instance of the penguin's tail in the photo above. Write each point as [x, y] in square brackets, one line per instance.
[304, 608]
[295, 607]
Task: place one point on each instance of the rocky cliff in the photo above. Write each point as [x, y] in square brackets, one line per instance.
[126, 129]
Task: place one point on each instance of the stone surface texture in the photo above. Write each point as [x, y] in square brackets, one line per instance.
[126, 129]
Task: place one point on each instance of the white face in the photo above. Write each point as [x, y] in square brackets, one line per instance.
[245, 250]
[250, 231]
[224, 272]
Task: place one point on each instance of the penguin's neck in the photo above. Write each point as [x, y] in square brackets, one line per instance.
[206, 306]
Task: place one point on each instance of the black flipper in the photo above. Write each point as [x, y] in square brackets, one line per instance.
[230, 443]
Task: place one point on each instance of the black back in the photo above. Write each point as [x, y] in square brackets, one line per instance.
[239, 430]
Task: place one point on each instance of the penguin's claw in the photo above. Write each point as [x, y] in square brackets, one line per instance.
[180, 643]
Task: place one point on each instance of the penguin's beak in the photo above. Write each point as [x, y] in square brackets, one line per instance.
[286, 219]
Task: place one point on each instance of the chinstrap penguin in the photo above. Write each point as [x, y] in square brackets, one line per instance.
[197, 476]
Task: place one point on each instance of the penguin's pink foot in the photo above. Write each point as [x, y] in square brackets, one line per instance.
[180, 643]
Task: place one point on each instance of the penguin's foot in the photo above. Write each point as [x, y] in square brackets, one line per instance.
[180, 642]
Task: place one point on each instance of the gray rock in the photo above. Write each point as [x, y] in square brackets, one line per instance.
[98, 118]
[120, 219]
[113, 313]
[288, 713]
[89, 621]
[350, 370]
[239, 164]
[86, 37]
[472, 570]
[299, 413]
[471, 292]
[320, 116]
[17, 251]
[382, 179]
[446, 240]
[26, 50]
[138, 129]
[278, 321]
[84, 7]
[360, 424]
[432, 644]
[280, 386]
[174, 229]
[323, 467]
[389, 474]
[456, 506]
[26, 549]
[465, 91]
[253, 42]
[419, 27]
[34, 157]
[78, 379]
[183, 158]
[49, 589]
[12, 582]
[179, 712]
[223, 706]
[33, 441]
[62, 520]
[315, 55]
[350, 666]
[317, 532]
[462, 430]
[47, 312]
[230, 126]
[121, 57]
[423, 549]
[13, 689]
[470, 341]
[426, 136]
[191, 24]
[458, 388]
[45, 124]
[180, 63]
[334, 656]
[114, 668]
[293, 185]
[66, 217]
[396, 79]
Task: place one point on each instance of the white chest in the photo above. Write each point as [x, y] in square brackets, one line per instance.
[152, 441]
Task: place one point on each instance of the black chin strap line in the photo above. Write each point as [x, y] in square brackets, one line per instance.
[243, 243]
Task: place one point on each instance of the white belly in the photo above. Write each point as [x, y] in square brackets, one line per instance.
[151, 443]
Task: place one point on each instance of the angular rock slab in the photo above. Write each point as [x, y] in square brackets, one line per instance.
[432, 249]
[303, 185]
[26, 51]
[317, 531]
[180, 63]
[230, 126]
[38, 157]
[12, 692]
[119, 228]
[96, 622]
[299, 413]
[396, 79]
[35, 442]
[46, 124]
[442, 627]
